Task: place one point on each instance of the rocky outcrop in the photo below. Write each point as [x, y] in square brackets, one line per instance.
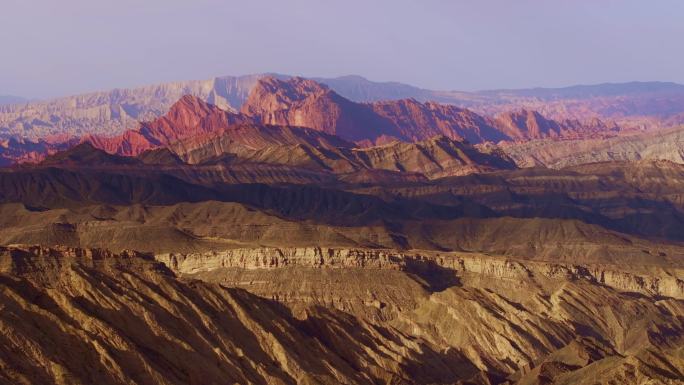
[436, 157]
[294, 147]
[188, 117]
[416, 121]
[655, 282]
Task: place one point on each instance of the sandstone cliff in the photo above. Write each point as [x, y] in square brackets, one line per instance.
[652, 281]
[519, 319]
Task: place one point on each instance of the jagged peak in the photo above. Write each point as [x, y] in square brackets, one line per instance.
[191, 103]
[300, 84]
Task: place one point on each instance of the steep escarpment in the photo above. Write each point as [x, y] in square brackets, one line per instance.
[647, 280]
[518, 319]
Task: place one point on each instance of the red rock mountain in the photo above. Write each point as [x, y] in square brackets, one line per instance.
[196, 133]
[303, 102]
[298, 102]
[526, 124]
[417, 121]
[306, 103]
[188, 117]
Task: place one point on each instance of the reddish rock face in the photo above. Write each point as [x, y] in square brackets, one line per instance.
[526, 124]
[188, 117]
[417, 121]
[298, 102]
[303, 102]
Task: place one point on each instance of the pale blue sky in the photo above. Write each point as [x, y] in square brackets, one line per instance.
[59, 47]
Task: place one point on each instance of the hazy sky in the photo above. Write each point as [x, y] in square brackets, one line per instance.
[59, 47]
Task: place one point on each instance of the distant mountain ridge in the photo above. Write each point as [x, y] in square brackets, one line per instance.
[199, 133]
[645, 104]
[112, 112]
[303, 102]
[591, 90]
[299, 102]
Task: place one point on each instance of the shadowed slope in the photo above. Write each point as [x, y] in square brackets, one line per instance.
[94, 317]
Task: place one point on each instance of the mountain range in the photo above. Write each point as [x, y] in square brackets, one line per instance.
[283, 230]
[257, 267]
[631, 105]
[298, 102]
